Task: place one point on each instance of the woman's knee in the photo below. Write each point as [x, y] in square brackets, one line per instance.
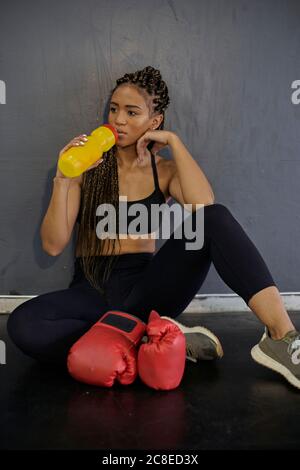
[21, 325]
[212, 215]
[15, 323]
[218, 213]
[216, 208]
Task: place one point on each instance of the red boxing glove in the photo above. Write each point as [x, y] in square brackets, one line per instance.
[161, 361]
[108, 351]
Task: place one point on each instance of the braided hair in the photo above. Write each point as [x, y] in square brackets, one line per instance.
[100, 184]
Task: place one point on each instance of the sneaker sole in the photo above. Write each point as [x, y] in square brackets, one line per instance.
[203, 330]
[261, 358]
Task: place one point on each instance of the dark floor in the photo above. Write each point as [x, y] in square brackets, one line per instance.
[232, 403]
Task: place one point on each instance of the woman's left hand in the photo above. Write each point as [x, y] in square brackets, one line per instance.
[161, 139]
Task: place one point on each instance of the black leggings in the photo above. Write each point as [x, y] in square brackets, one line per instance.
[46, 326]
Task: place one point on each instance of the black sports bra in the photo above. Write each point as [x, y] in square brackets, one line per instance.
[157, 197]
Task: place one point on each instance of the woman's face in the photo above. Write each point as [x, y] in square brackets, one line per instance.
[128, 112]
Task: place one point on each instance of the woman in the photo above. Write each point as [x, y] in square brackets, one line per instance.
[132, 278]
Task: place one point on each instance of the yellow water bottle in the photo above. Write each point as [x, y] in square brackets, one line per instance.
[74, 161]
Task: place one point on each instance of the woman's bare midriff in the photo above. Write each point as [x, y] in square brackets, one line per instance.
[144, 186]
[127, 246]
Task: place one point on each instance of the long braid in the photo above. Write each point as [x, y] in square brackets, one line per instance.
[101, 184]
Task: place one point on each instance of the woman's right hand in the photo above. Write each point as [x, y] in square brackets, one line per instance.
[79, 140]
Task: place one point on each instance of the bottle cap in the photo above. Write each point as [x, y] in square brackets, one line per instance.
[114, 131]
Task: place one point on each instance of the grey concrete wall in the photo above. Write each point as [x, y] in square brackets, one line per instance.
[229, 65]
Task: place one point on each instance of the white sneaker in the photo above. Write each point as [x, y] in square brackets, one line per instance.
[201, 343]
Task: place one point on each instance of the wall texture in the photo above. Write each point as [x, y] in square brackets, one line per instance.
[229, 66]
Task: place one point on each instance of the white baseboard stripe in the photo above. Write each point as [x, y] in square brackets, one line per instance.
[202, 303]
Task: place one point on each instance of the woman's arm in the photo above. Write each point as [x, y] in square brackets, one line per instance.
[60, 218]
[188, 179]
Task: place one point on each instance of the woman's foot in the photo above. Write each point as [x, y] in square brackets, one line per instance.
[281, 355]
[201, 343]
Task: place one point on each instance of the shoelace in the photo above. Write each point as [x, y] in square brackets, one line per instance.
[294, 349]
[190, 353]
[194, 350]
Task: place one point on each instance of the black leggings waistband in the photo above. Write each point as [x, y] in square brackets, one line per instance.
[123, 261]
